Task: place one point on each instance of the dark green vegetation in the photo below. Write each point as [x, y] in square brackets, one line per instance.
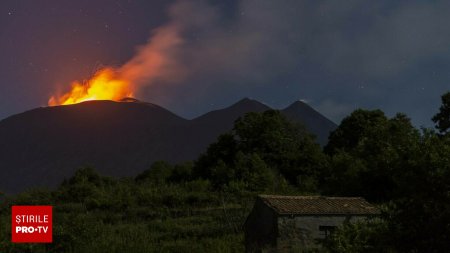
[405, 170]
[98, 214]
[201, 206]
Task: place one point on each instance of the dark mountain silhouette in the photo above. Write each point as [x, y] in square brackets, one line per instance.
[43, 146]
[214, 123]
[313, 121]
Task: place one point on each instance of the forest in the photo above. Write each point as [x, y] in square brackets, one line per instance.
[200, 206]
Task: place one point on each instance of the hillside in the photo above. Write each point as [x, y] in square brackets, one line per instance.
[40, 147]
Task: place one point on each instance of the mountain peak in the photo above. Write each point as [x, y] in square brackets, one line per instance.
[296, 104]
[236, 110]
[246, 100]
[129, 100]
[249, 103]
[312, 120]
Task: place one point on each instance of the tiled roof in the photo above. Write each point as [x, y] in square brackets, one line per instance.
[319, 205]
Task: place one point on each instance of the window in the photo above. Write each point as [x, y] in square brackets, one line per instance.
[326, 231]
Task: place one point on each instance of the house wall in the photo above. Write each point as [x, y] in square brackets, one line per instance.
[260, 229]
[299, 233]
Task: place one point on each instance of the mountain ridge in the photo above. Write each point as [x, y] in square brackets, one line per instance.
[42, 146]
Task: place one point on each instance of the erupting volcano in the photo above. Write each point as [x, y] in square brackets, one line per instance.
[106, 84]
[154, 61]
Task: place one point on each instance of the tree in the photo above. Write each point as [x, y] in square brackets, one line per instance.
[254, 171]
[417, 217]
[354, 129]
[181, 172]
[85, 184]
[368, 152]
[442, 119]
[421, 212]
[158, 173]
[283, 146]
[218, 156]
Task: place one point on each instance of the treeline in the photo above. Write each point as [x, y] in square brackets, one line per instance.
[200, 206]
[405, 170]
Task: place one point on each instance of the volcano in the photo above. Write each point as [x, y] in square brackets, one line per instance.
[43, 146]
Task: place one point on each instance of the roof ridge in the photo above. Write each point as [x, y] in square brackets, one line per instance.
[305, 197]
[316, 204]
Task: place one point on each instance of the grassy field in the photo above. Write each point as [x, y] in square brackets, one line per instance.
[97, 214]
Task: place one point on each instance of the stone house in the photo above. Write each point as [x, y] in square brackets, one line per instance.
[299, 223]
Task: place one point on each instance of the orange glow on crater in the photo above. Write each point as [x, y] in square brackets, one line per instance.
[106, 84]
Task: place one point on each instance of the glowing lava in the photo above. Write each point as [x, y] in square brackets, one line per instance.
[106, 84]
[156, 61]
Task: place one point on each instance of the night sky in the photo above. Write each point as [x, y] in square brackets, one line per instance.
[335, 55]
